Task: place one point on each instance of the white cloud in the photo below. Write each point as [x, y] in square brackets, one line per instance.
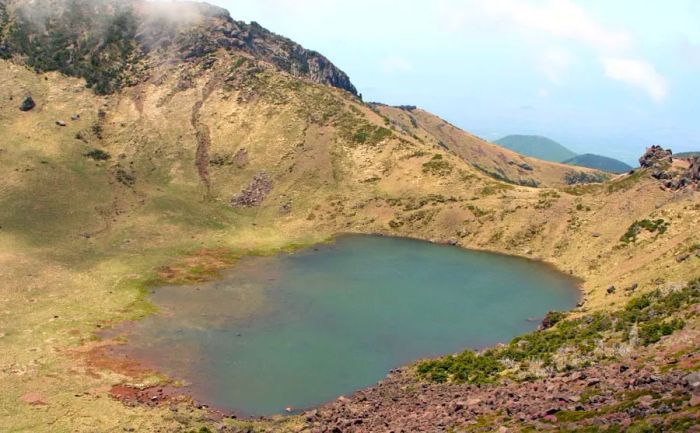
[560, 18]
[690, 52]
[544, 22]
[394, 64]
[637, 73]
[554, 62]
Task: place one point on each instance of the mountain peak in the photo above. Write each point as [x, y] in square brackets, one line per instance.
[113, 43]
[536, 146]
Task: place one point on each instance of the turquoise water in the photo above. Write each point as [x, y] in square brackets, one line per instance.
[296, 330]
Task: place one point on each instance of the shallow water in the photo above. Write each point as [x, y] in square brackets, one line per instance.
[296, 330]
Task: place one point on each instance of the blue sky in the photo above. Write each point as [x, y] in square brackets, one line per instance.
[601, 76]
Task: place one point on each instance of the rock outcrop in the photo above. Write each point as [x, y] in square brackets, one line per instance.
[618, 393]
[654, 156]
[661, 162]
[113, 43]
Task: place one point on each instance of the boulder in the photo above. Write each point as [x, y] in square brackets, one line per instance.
[694, 169]
[693, 381]
[27, 104]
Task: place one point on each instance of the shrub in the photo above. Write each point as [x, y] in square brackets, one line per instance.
[659, 225]
[437, 166]
[467, 367]
[581, 177]
[98, 155]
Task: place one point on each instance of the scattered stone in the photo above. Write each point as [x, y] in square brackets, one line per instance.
[33, 398]
[525, 166]
[240, 159]
[611, 290]
[632, 288]
[286, 208]
[682, 258]
[75, 117]
[693, 381]
[550, 319]
[27, 104]
[254, 194]
[60, 123]
[596, 234]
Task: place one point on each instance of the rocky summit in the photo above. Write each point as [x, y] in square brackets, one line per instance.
[112, 43]
[156, 145]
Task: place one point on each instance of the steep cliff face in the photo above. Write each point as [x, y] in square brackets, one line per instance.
[115, 43]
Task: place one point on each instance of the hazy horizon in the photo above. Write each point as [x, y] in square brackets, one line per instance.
[597, 77]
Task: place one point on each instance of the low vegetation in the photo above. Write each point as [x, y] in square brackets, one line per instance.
[570, 342]
[658, 226]
[73, 47]
[581, 177]
[437, 166]
[98, 155]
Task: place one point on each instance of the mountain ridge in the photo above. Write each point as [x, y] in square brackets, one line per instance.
[599, 162]
[537, 146]
[113, 43]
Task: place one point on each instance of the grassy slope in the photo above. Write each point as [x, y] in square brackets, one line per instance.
[486, 157]
[536, 147]
[325, 152]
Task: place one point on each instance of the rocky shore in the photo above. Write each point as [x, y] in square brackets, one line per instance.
[651, 388]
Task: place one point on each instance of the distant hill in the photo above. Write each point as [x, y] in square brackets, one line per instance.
[599, 162]
[686, 154]
[537, 147]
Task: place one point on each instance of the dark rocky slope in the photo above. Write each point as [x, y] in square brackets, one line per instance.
[112, 43]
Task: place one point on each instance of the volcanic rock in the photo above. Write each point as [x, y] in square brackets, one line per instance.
[254, 194]
[27, 104]
[654, 156]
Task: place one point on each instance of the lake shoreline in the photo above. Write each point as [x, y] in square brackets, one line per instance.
[167, 393]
